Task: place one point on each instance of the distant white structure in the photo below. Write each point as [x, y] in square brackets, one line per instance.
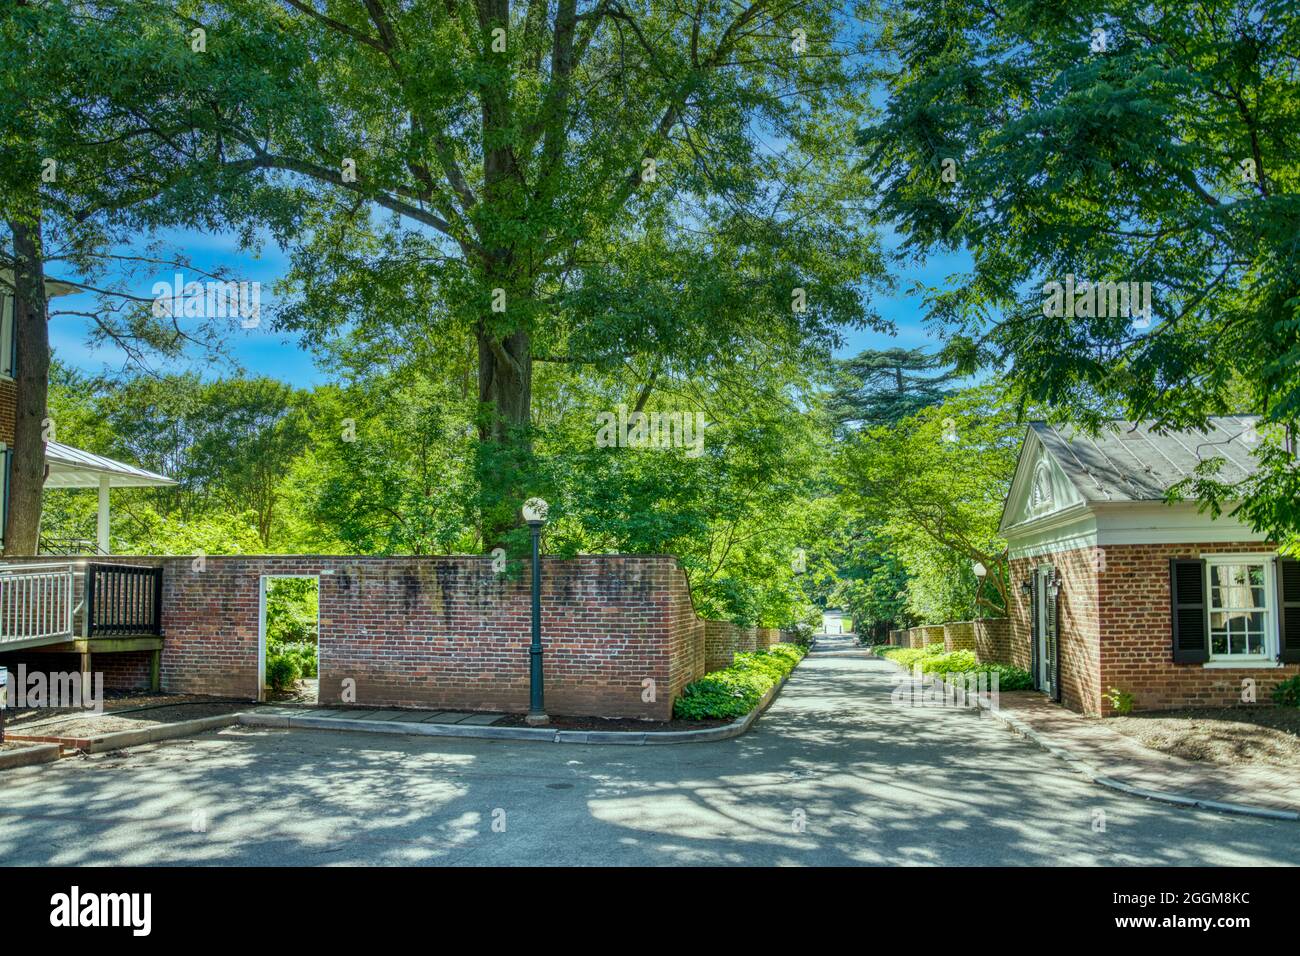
[832, 622]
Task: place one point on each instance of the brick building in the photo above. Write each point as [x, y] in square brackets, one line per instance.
[1115, 589]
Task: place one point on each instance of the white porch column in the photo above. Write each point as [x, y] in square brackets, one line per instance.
[101, 524]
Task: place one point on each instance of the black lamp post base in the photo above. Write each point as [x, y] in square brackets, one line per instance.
[537, 720]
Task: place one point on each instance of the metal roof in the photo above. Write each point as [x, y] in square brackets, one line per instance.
[1130, 461]
[73, 468]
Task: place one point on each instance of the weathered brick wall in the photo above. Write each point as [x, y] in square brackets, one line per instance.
[1137, 641]
[1079, 623]
[128, 670]
[448, 632]
[686, 648]
[993, 640]
[8, 410]
[916, 637]
[931, 634]
[441, 632]
[959, 636]
[748, 640]
[721, 641]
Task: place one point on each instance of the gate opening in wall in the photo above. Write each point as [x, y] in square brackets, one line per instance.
[289, 638]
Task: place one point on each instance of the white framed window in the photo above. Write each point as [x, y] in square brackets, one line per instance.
[1241, 607]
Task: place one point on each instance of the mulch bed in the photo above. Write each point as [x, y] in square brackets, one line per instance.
[1225, 735]
[70, 723]
[614, 723]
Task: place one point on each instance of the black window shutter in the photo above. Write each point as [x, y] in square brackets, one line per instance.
[1033, 625]
[1053, 616]
[1288, 610]
[1191, 620]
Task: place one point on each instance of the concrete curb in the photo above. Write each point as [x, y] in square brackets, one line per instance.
[626, 738]
[27, 756]
[1092, 774]
[148, 735]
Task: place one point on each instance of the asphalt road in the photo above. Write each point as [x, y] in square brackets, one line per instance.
[833, 774]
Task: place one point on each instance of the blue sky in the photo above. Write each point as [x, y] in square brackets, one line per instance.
[281, 355]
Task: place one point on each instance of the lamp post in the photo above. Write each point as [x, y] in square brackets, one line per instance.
[535, 511]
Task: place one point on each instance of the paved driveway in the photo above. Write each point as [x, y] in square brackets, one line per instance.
[872, 784]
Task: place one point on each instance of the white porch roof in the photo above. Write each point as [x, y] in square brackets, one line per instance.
[73, 468]
[53, 287]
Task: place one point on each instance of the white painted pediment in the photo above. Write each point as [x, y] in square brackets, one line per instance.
[1040, 488]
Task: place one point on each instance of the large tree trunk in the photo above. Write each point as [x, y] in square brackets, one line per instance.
[505, 385]
[32, 375]
[505, 391]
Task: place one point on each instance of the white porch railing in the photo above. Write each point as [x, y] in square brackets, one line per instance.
[36, 601]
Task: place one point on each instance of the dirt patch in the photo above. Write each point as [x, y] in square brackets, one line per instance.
[629, 724]
[113, 701]
[1224, 735]
[93, 725]
[305, 691]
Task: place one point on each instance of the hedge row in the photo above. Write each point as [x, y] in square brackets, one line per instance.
[736, 690]
[933, 660]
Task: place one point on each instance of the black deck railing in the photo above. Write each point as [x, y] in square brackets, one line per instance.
[123, 599]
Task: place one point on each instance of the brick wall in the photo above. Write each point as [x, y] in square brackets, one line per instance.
[442, 632]
[687, 653]
[959, 636]
[8, 410]
[448, 632]
[721, 640]
[1079, 623]
[1137, 642]
[992, 640]
[620, 633]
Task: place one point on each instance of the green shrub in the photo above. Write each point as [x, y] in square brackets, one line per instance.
[1121, 700]
[303, 654]
[792, 652]
[907, 656]
[736, 690]
[948, 663]
[1287, 693]
[1010, 677]
[933, 660]
[282, 671]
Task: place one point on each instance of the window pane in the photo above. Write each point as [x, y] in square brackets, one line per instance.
[1238, 602]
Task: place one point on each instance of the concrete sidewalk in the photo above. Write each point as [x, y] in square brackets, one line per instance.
[1113, 758]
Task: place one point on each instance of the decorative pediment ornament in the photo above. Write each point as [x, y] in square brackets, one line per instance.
[1040, 493]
